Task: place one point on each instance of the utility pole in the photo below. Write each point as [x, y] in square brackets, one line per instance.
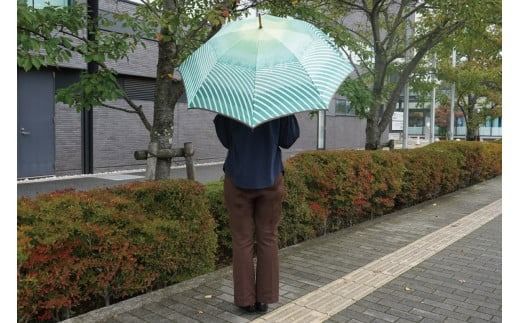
[407, 35]
[321, 130]
[452, 104]
[87, 115]
[432, 114]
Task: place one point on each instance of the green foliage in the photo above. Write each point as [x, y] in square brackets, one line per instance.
[80, 250]
[215, 196]
[360, 98]
[91, 90]
[38, 43]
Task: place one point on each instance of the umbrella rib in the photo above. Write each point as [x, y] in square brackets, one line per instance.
[254, 82]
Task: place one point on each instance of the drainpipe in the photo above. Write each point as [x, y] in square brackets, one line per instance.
[87, 115]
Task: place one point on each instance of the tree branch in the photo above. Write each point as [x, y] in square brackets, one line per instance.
[363, 8]
[152, 10]
[117, 108]
[437, 31]
[137, 108]
[44, 37]
[63, 31]
[361, 36]
[355, 67]
[390, 36]
[433, 40]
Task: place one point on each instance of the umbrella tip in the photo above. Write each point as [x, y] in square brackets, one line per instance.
[259, 21]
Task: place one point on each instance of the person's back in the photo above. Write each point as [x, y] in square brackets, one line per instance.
[254, 157]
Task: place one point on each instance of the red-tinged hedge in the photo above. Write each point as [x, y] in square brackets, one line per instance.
[346, 186]
[81, 250]
[444, 167]
[330, 190]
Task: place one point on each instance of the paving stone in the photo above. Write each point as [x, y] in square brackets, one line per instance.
[427, 314]
[401, 320]
[473, 313]
[374, 306]
[127, 317]
[404, 315]
[381, 315]
[497, 312]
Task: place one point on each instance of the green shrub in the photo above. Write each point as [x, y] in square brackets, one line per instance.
[80, 250]
[298, 222]
[217, 208]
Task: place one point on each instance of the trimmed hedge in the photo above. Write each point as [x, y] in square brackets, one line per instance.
[82, 250]
[330, 190]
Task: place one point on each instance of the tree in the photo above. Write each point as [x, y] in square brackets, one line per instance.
[51, 35]
[478, 71]
[378, 43]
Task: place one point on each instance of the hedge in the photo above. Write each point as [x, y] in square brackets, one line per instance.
[78, 251]
[330, 190]
[82, 250]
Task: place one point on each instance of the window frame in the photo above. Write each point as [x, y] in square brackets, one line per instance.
[31, 3]
[348, 110]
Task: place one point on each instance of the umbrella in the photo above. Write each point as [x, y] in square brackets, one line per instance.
[254, 70]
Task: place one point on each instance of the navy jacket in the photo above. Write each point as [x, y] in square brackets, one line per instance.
[254, 158]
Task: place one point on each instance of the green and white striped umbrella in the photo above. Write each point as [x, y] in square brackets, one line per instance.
[256, 70]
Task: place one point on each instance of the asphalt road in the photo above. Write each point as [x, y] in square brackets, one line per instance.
[203, 174]
[31, 188]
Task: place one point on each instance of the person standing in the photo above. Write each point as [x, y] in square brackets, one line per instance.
[253, 193]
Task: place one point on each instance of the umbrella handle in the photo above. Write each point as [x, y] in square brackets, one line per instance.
[259, 21]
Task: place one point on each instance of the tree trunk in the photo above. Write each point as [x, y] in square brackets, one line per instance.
[167, 94]
[471, 124]
[471, 133]
[373, 137]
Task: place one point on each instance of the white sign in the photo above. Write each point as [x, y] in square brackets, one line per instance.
[397, 120]
[394, 136]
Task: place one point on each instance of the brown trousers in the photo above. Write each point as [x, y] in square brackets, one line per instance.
[255, 213]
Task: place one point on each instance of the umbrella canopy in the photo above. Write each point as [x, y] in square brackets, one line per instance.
[255, 72]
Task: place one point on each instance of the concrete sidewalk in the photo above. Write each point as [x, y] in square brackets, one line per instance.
[439, 261]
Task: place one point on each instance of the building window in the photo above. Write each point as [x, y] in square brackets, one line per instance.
[459, 121]
[38, 4]
[343, 107]
[499, 122]
[138, 88]
[416, 119]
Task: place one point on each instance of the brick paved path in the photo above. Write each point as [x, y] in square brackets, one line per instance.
[460, 280]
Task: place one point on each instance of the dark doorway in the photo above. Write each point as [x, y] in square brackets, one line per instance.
[36, 150]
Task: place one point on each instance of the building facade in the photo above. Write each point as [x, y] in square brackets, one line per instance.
[419, 123]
